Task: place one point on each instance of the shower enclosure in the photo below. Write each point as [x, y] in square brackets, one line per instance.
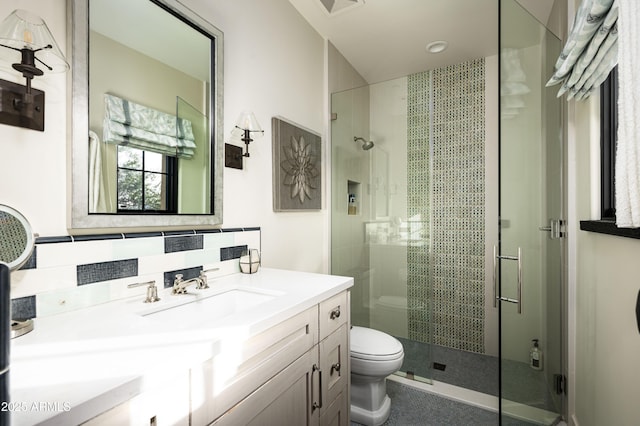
[415, 241]
[452, 213]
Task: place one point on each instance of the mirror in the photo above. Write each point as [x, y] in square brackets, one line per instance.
[16, 238]
[147, 115]
[17, 242]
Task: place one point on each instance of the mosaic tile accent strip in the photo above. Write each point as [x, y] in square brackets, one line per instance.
[183, 243]
[32, 262]
[228, 253]
[23, 308]
[419, 299]
[453, 288]
[187, 274]
[104, 271]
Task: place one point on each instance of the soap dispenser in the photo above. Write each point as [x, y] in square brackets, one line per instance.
[535, 356]
[352, 205]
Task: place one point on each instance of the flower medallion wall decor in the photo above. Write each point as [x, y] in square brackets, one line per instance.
[297, 160]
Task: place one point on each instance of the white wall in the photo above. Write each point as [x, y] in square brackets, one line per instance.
[606, 285]
[273, 66]
[604, 340]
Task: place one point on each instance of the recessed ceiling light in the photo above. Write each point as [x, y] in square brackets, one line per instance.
[437, 46]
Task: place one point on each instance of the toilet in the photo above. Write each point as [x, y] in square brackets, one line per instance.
[374, 356]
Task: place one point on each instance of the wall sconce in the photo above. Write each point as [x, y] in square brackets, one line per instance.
[22, 36]
[245, 126]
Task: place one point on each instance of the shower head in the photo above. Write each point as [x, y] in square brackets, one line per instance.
[366, 145]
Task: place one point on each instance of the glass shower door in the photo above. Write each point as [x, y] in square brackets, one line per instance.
[528, 261]
[379, 220]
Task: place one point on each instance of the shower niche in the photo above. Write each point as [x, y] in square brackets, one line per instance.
[353, 198]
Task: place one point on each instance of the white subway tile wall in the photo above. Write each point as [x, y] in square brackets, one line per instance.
[73, 273]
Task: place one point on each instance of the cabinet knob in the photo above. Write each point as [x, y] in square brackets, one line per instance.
[335, 367]
[335, 313]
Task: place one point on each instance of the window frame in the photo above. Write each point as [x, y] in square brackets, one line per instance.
[608, 139]
[171, 174]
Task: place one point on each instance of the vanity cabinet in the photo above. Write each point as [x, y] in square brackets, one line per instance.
[166, 404]
[281, 357]
[312, 388]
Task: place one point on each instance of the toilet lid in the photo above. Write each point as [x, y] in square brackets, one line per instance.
[367, 343]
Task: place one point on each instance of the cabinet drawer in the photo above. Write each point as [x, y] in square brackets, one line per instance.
[334, 312]
[244, 365]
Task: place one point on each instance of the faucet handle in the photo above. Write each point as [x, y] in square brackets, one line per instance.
[152, 290]
[203, 278]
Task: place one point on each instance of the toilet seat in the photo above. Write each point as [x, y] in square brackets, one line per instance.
[373, 345]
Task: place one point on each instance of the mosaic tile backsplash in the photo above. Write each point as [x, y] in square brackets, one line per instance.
[76, 272]
[449, 284]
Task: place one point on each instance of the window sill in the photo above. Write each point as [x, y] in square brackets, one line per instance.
[609, 227]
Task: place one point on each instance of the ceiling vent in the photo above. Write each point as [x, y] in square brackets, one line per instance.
[333, 7]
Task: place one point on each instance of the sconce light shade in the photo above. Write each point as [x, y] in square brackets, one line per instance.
[248, 124]
[248, 121]
[28, 46]
[24, 30]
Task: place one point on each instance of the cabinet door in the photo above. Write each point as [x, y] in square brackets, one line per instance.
[241, 367]
[286, 399]
[337, 412]
[168, 404]
[334, 365]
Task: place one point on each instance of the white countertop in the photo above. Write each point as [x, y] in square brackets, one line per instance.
[74, 366]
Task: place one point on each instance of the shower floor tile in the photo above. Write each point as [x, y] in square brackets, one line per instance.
[412, 407]
[478, 372]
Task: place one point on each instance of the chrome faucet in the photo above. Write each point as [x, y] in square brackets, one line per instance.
[180, 285]
[152, 290]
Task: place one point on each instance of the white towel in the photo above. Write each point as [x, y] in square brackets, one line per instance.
[95, 165]
[628, 148]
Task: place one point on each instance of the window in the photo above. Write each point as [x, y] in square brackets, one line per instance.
[608, 131]
[608, 135]
[147, 181]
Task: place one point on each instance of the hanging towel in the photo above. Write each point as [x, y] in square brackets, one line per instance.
[95, 165]
[627, 177]
[512, 83]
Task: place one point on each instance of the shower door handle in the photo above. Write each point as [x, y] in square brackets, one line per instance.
[554, 229]
[517, 258]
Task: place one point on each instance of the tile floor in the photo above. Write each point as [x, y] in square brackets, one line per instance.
[413, 407]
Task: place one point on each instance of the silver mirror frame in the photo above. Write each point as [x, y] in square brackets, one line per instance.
[78, 128]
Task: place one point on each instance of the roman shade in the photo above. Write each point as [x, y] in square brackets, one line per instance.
[591, 50]
[131, 124]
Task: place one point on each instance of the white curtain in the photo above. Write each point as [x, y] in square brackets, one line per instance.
[627, 177]
[591, 50]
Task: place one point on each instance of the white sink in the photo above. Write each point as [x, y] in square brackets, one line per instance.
[211, 308]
